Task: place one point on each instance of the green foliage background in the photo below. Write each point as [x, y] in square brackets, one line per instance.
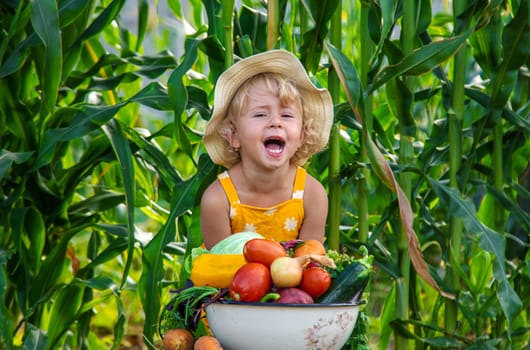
[102, 107]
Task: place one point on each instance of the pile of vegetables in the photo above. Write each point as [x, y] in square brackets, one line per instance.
[292, 272]
[249, 268]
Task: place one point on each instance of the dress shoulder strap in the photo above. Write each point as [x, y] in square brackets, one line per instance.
[299, 183]
[228, 187]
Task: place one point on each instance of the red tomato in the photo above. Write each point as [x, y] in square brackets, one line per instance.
[263, 251]
[315, 281]
[250, 283]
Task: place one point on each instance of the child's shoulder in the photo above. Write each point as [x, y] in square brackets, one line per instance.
[213, 191]
[312, 185]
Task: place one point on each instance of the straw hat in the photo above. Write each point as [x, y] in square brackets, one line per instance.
[317, 103]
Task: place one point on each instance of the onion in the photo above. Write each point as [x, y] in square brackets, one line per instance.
[178, 339]
[294, 296]
[287, 272]
[207, 342]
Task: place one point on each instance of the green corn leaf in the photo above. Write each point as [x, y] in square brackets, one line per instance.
[423, 16]
[106, 61]
[156, 156]
[215, 51]
[312, 40]
[489, 240]
[420, 61]
[516, 39]
[121, 147]
[52, 268]
[7, 159]
[29, 235]
[6, 322]
[516, 48]
[103, 20]
[45, 20]
[178, 95]
[400, 103]
[386, 13]
[176, 8]
[350, 80]
[35, 338]
[508, 114]
[153, 272]
[99, 150]
[388, 313]
[511, 206]
[64, 312]
[119, 327]
[85, 121]
[153, 66]
[89, 118]
[503, 84]
[112, 250]
[198, 99]
[19, 55]
[152, 259]
[100, 201]
[479, 271]
[69, 11]
[99, 283]
[154, 96]
[18, 23]
[143, 13]
[487, 43]
[35, 229]
[112, 82]
[107, 286]
[213, 11]
[252, 24]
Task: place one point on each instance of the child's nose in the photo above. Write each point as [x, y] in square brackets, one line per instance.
[275, 120]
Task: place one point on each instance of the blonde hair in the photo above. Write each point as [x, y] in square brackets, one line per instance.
[288, 92]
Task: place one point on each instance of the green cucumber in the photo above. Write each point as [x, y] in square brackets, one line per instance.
[349, 285]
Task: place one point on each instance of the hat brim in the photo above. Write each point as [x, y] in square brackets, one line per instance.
[317, 102]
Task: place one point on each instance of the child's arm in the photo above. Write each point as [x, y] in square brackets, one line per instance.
[215, 215]
[315, 210]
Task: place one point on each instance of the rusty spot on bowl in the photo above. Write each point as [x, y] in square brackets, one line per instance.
[318, 337]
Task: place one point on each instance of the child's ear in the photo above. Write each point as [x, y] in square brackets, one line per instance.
[234, 140]
[303, 135]
[229, 133]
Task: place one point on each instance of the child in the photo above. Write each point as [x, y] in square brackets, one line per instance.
[268, 119]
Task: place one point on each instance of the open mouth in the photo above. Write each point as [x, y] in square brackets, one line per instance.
[274, 145]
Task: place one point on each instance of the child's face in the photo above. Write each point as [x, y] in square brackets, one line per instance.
[265, 131]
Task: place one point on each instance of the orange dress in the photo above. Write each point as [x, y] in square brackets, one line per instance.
[281, 222]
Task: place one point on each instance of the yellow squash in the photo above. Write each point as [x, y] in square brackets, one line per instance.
[215, 270]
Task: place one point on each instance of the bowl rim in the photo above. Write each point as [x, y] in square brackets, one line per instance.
[272, 304]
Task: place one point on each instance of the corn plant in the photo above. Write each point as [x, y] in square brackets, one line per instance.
[102, 165]
[86, 182]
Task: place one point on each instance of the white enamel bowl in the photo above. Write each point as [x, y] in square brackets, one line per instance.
[269, 326]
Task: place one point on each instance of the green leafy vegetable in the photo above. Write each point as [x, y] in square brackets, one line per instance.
[184, 309]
